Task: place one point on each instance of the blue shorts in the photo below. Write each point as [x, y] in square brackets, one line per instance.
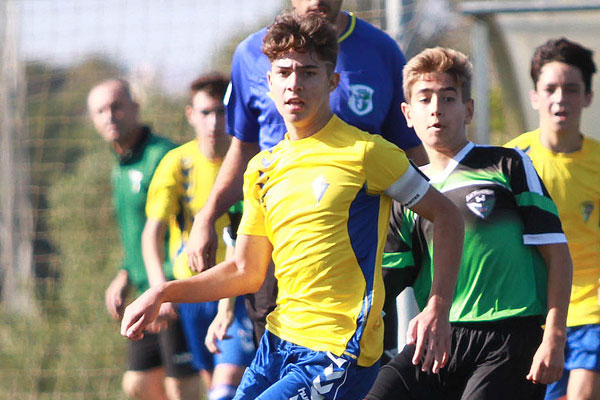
[239, 349]
[581, 352]
[283, 370]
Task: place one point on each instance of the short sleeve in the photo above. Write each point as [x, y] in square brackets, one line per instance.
[162, 193]
[242, 121]
[537, 210]
[253, 219]
[384, 164]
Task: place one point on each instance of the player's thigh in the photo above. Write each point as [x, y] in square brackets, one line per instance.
[502, 374]
[339, 379]
[399, 379]
[583, 385]
[238, 349]
[145, 354]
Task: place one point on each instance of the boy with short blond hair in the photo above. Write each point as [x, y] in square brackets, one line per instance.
[515, 270]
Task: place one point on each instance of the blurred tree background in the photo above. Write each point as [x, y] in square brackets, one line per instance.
[65, 346]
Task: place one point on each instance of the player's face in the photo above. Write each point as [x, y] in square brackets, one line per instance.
[300, 84]
[438, 114]
[328, 8]
[113, 112]
[207, 116]
[559, 97]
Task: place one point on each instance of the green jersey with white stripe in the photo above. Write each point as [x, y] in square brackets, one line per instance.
[507, 212]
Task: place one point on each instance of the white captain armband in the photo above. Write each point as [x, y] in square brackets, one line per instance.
[410, 188]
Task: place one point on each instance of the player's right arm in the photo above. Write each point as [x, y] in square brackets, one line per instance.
[244, 274]
[430, 329]
[226, 191]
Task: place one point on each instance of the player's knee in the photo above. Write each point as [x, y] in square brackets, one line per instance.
[143, 385]
[133, 384]
[221, 392]
[189, 387]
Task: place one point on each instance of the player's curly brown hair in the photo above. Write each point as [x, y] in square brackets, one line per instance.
[307, 33]
[439, 59]
[565, 51]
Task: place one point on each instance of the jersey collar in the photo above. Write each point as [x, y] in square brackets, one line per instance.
[453, 163]
[349, 28]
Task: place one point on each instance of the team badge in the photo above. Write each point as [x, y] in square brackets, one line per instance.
[481, 202]
[319, 186]
[361, 99]
[135, 177]
[587, 207]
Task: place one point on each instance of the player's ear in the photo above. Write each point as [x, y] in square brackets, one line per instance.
[534, 99]
[269, 79]
[588, 98]
[188, 113]
[334, 81]
[405, 107]
[470, 110]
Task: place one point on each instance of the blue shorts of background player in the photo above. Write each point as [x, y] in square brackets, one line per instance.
[238, 349]
[283, 370]
[581, 352]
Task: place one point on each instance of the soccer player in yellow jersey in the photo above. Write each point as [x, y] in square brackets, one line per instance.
[569, 164]
[179, 189]
[318, 204]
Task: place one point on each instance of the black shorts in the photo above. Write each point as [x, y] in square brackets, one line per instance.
[489, 361]
[167, 349]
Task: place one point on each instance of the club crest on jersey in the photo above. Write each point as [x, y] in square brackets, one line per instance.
[587, 207]
[481, 202]
[135, 177]
[361, 99]
[319, 187]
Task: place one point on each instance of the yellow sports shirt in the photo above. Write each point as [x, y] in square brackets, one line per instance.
[573, 180]
[320, 202]
[180, 186]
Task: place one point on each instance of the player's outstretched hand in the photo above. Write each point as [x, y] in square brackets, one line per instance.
[202, 245]
[166, 315]
[548, 362]
[430, 332]
[218, 330]
[141, 313]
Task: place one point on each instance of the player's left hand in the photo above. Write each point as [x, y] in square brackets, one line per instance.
[430, 332]
[548, 362]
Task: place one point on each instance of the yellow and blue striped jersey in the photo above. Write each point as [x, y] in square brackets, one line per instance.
[178, 191]
[572, 180]
[320, 202]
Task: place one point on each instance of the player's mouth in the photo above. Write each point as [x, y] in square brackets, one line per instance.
[561, 115]
[294, 104]
[436, 127]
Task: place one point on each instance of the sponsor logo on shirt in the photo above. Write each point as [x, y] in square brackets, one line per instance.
[135, 177]
[361, 99]
[481, 202]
